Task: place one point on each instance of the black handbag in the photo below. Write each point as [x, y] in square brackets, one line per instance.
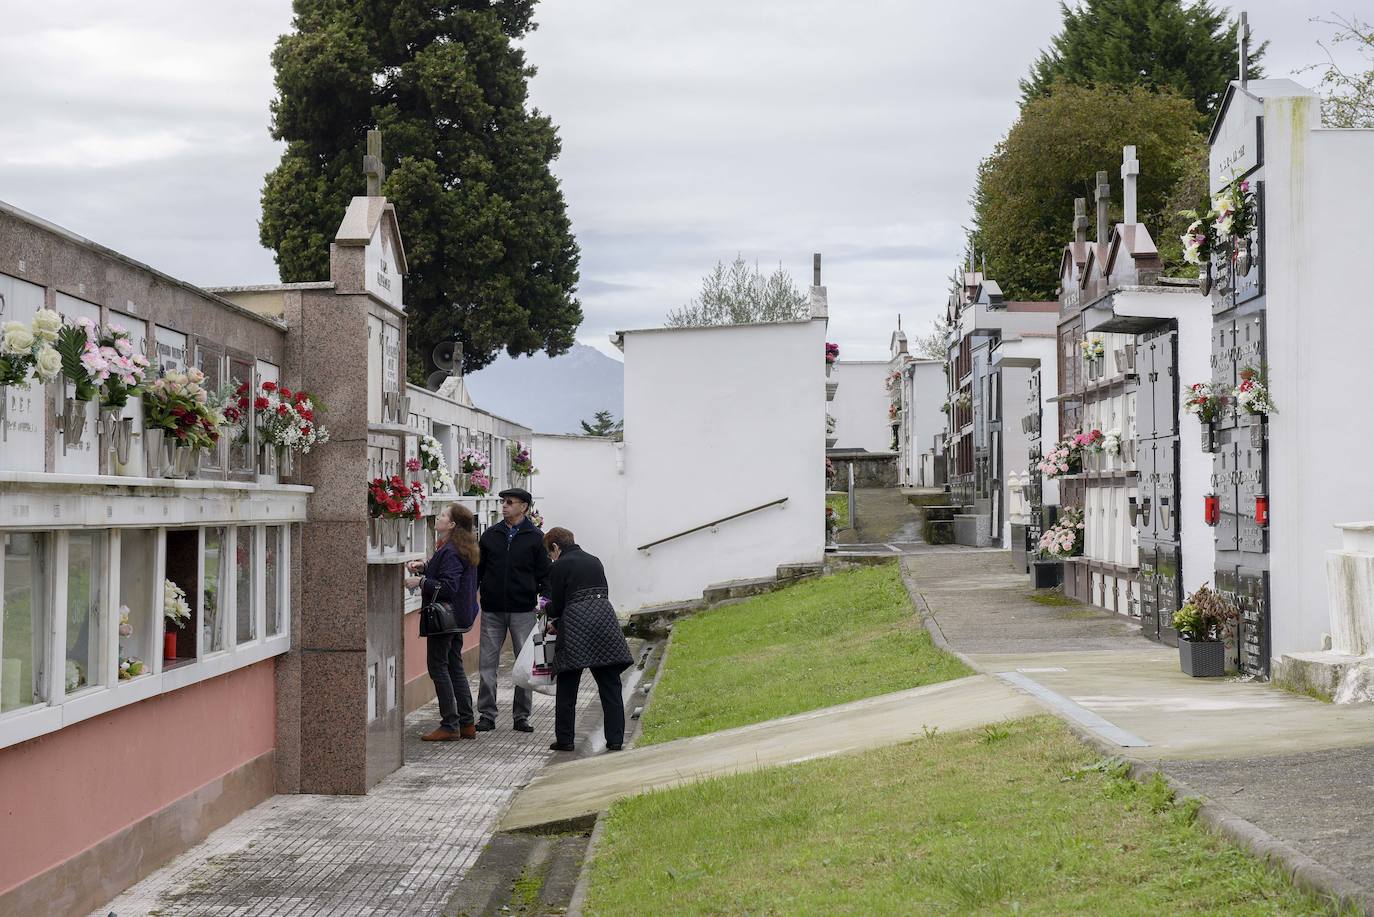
[439, 618]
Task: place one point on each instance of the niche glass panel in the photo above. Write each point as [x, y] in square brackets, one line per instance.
[271, 570]
[24, 614]
[241, 453]
[212, 593]
[182, 561]
[139, 601]
[243, 588]
[211, 362]
[86, 574]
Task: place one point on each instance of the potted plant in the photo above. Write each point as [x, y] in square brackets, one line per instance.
[1203, 624]
[1206, 401]
[176, 613]
[521, 463]
[26, 349]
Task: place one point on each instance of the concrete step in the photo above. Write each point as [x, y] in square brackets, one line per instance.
[739, 589]
[793, 572]
[655, 621]
[521, 873]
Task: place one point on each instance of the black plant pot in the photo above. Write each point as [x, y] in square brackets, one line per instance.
[1202, 658]
[1046, 574]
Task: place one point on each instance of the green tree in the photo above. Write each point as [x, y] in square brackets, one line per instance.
[603, 424]
[1023, 200]
[1348, 94]
[1158, 44]
[493, 263]
[737, 294]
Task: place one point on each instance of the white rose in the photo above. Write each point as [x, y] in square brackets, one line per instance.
[49, 363]
[18, 338]
[46, 324]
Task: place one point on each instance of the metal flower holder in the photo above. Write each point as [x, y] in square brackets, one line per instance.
[119, 433]
[73, 419]
[4, 413]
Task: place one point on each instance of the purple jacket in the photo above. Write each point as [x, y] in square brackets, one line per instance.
[448, 578]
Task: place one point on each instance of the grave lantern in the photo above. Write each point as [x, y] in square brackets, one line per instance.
[1262, 510]
[1211, 509]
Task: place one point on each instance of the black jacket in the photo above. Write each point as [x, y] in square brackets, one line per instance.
[575, 570]
[512, 575]
[448, 578]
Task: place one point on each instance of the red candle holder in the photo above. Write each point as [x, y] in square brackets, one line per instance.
[1262, 510]
[1211, 509]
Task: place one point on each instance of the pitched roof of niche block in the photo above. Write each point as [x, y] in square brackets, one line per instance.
[360, 222]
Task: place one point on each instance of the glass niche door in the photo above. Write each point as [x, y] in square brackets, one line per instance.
[86, 575]
[25, 613]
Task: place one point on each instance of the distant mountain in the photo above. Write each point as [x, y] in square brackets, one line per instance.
[551, 394]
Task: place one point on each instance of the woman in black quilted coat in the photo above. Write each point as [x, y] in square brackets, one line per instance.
[588, 637]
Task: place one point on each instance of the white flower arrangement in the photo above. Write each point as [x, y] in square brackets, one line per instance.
[1093, 349]
[1111, 443]
[25, 348]
[432, 460]
[174, 607]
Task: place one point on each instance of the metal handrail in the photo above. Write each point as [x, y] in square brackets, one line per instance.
[714, 523]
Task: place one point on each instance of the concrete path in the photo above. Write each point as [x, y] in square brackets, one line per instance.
[399, 850]
[583, 788]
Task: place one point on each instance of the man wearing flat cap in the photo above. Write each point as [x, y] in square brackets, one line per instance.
[513, 572]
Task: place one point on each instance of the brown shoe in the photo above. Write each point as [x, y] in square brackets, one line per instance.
[442, 734]
[467, 731]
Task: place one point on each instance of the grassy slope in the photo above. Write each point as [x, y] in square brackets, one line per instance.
[1010, 819]
[818, 643]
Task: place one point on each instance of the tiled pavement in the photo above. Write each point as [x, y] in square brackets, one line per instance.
[398, 850]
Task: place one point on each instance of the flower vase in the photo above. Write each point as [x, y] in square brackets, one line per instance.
[828, 367]
[73, 419]
[1204, 279]
[402, 408]
[462, 480]
[176, 459]
[154, 451]
[1244, 256]
[119, 433]
[1209, 437]
[285, 461]
[4, 413]
[266, 460]
[401, 534]
[169, 645]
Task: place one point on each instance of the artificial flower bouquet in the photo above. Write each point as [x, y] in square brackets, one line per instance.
[178, 403]
[110, 358]
[832, 353]
[1093, 349]
[284, 418]
[174, 606]
[1200, 238]
[1233, 211]
[432, 461]
[521, 462]
[393, 498]
[1065, 537]
[27, 351]
[1252, 394]
[1206, 400]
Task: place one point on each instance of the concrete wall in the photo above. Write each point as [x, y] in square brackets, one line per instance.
[860, 406]
[700, 444]
[1317, 189]
[927, 423]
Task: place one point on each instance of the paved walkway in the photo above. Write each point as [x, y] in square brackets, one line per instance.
[582, 788]
[399, 850]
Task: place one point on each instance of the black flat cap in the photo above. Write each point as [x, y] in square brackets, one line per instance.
[518, 493]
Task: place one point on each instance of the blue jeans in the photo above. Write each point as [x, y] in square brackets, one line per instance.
[495, 626]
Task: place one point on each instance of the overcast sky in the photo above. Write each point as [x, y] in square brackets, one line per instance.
[691, 131]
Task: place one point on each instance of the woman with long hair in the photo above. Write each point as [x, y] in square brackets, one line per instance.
[450, 575]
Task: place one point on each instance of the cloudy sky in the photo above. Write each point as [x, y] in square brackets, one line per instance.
[691, 132]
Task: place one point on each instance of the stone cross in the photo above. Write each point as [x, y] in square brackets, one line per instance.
[1130, 168]
[1080, 219]
[1243, 39]
[1102, 194]
[372, 164]
[816, 269]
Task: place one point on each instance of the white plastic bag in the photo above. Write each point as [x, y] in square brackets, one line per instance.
[534, 664]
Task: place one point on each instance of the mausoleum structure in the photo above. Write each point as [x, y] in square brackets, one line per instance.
[918, 388]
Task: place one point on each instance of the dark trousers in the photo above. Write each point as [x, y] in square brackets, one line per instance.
[444, 656]
[612, 704]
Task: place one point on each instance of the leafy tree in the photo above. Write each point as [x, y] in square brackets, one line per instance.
[1023, 200]
[492, 259]
[1348, 98]
[935, 345]
[736, 295]
[603, 424]
[1158, 44]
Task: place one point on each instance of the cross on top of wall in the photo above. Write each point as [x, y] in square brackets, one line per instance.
[1243, 39]
[1130, 168]
[372, 164]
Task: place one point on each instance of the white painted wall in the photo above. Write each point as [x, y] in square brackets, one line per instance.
[1318, 192]
[860, 405]
[926, 427]
[717, 420]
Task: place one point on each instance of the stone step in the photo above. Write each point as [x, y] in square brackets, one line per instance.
[792, 572]
[655, 621]
[739, 589]
[521, 873]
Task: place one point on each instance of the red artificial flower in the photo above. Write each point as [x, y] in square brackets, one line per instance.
[308, 414]
[269, 386]
[302, 397]
[242, 389]
[285, 393]
[305, 430]
[396, 481]
[260, 403]
[281, 410]
[418, 488]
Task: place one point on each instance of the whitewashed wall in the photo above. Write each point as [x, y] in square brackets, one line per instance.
[926, 427]
[860, 406]
[582, 488]
[1319, 190]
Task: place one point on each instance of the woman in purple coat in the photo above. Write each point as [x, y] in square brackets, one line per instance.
[450, 575]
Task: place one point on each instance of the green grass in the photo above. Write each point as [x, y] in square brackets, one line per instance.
[1015, 818]
[525, 892]
[840, 504]
[1053, 597]
[821, 642]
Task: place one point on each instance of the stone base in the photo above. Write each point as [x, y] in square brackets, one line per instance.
[1337, 677]
[973, 529]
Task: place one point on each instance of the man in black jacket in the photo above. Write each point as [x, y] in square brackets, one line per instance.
[513, 573]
